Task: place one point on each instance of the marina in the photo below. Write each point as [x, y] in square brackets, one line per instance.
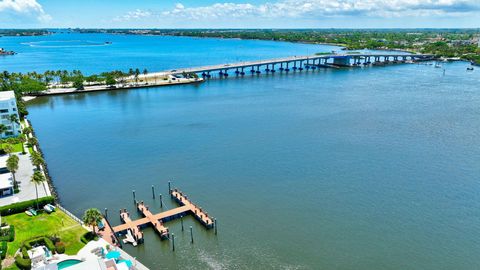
[132, 229]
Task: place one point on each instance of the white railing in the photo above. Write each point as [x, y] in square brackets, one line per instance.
[79, 221]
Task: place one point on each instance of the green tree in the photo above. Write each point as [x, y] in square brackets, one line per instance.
[12, 166]
[37, 160]
[92, 217]
[22, 141]
[13, 118]
[109, 80]
[3, 129]
[32, 141]
[78, 83]
[27, 130]
[8, 148]
[137, 72]
[37, 179]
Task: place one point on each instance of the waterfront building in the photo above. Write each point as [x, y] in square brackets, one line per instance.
[6, 178]
[8, 107]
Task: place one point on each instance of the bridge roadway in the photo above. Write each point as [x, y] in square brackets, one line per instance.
[302, 60]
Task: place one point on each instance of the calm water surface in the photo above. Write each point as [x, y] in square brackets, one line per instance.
[372, 168]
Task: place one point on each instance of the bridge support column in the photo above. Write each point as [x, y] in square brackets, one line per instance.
[341, 61]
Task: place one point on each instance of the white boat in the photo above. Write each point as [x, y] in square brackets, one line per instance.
[28, 213]
[49, 208]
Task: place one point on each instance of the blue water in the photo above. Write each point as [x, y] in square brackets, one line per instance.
[90, 54]
[368, 168]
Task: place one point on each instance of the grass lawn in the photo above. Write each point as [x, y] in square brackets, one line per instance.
[16, 147]
[57, 223]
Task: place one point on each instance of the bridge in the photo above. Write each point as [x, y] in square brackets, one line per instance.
[299, 63]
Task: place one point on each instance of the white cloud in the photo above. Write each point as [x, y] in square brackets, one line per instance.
[134, 15]
[312, 9]
[14, 9]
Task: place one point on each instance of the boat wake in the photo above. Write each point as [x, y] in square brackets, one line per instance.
[66, 44]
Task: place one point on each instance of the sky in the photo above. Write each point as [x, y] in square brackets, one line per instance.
[240, 14]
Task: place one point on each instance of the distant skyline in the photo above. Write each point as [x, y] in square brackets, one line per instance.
[240, 14]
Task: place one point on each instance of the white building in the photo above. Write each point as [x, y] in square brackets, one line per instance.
[6, 178]
[8, 107]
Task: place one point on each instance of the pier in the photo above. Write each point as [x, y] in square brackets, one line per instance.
[297, 63]
[132, 229]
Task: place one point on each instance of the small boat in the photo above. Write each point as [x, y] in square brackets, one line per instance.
[437, 65]
[49, 208]
[33, 211]
[28, 213]
[469, 68]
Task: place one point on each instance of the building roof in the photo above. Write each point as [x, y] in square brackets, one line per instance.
[6, 180]
[4, 95]
[3, 161]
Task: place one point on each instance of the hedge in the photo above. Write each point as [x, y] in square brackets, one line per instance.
[43, 240]
[25, 253]
[10, 235]
[20, 207]
[60, 247]
[24, 264]
[88, 236]
[3, 249]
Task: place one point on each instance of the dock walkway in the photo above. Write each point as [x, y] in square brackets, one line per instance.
[132, 228]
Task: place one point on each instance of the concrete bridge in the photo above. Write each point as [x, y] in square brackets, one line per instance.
[299, 63]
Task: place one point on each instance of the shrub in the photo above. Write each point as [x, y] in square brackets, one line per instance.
[60, 247]
[3, 249]
[39, 241]
[8, 234]
[24, 264]
[88, 236]
[25, 253]
[19, 207]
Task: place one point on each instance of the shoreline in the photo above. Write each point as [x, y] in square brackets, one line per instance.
[101, 88]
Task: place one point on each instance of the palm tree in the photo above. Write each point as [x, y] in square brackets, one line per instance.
[92, 217]
[3, 129]
[145, 72]
[12, 166]
[13, 118]
[32, 141]
[137, 72]
[27, 130]
[37, 179]
[8, 148]
[37, 160]
[22, 141]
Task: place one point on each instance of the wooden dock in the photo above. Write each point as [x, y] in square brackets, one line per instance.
[132, 228]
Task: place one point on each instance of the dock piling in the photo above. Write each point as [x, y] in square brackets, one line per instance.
[173, 242]
[191, 234]
[133, 191]
[215, 225]
[161, 201]
[106, 213]
[181, 221]
[169, 187]
[153, 192]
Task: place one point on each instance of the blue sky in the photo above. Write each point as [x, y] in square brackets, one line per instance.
[240, 14]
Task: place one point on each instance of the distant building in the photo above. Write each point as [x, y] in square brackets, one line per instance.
[8, 107]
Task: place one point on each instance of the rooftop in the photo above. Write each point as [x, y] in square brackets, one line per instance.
[4, 95]
[6, 180]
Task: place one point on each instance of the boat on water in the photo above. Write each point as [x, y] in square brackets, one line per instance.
[5, 52]
[469, 68]
[437, 65]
